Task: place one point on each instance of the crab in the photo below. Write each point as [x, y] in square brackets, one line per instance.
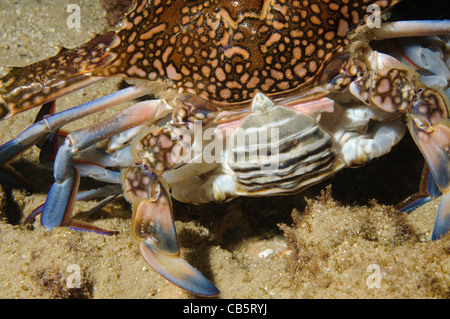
[251, 98]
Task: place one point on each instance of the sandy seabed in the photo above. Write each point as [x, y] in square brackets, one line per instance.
[304, 246]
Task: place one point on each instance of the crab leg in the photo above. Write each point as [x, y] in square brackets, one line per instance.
[153, 222]
[428, 190]
[54, 122]
[67, 71]
[434, 143]
[432, 135]
[153, 226]
[110, 192]
[59, 201]
[420, 28]
[90, 162]
[413, 53]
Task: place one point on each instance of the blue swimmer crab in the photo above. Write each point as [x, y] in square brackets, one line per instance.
[284, 93]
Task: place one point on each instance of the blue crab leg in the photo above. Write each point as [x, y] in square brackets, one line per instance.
[90, 162]
[153, 226]
[87, 158]
[54, 122]
[107, 191]
[7, 172]
[153, 220]
[58, 205]
[110, 192]
[413, 53]
[428, 190]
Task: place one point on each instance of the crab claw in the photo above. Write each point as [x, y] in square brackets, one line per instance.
[57, 208]
[434, 144]
[58, 205]
[428, 190]
[154, 228]
[431, 131]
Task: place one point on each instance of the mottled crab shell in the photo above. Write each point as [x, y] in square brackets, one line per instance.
[226, 51]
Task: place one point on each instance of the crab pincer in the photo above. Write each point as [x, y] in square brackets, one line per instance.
[430, 128]
[154, 228]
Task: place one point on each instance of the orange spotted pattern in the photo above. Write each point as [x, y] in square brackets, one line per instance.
[222, 51]
[226, 51]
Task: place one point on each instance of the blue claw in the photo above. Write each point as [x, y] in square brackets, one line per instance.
[58, 205]
[177, 270]
[154, 227]
[427, 192]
